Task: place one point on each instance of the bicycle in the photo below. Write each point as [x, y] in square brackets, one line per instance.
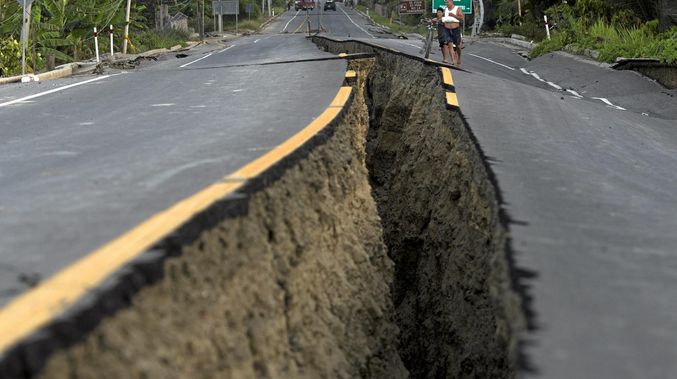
[428, 42]
[431, 24]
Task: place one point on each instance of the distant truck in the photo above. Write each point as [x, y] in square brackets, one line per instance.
[304, 4]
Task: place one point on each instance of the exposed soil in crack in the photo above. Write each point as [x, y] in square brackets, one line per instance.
[298, 287]
[452, 292]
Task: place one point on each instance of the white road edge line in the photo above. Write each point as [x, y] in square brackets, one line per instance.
[288, 22]
[494, 62]
[257, 40]
[553, 85]
[535, 75]
[578, 95]
[224, 50]
[351, 20]
[197, 60]
[609, 103]
[524, 70]
[55, 90]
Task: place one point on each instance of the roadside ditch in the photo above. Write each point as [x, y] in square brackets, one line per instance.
[377, 251]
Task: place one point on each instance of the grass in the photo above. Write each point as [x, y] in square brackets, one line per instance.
[158, 39]
[612, 41]
[409, 23]
[245, 24]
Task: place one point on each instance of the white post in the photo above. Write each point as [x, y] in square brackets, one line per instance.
[270, 8]
[220, 23]
[126, 37]
[96, 45]
[519, 8]
[479, 25]
[112, 54]
[547, 29]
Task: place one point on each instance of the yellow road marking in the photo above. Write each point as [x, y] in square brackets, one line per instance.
[261, 164]
[351, 74]
[343, 55]
[452, 99]
[35, 308]
[299, 28]
[446, 76]
[341, 97]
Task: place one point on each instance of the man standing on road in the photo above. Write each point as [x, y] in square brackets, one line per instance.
[452, 24]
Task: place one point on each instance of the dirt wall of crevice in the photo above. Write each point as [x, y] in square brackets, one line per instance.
[296, 287]
[456, 310]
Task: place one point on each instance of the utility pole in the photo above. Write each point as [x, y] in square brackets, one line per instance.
[519, 8]
[201, 18]
[25, 29]
[126, 37]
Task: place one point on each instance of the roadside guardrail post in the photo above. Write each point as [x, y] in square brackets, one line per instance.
[96, 45]
[112, 54]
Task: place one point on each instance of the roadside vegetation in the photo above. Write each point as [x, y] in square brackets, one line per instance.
[62, 31]
[611, 30]
[406, 24]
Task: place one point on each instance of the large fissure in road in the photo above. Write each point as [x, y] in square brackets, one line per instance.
[377, 251]
[457, 313]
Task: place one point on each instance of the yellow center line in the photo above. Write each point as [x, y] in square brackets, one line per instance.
[25, 314]
[38, 306]
[452, 99]
[446, 76]
[341, 97]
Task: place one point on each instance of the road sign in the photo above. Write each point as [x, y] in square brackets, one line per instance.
[225, 8]
[26, 2]
[412, 7]
[466, 5]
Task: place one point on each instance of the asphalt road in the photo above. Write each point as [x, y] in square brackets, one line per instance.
[81, 166]
[584, 156]
[592, 190]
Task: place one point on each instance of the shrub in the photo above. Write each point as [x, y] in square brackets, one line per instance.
[159, 39]
[10, 57]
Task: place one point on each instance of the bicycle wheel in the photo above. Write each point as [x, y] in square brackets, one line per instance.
[428, 43]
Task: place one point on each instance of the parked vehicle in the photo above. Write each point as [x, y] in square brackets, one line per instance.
[329, 4]
[305, 4]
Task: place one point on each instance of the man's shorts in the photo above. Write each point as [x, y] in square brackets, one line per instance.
[453, 35]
